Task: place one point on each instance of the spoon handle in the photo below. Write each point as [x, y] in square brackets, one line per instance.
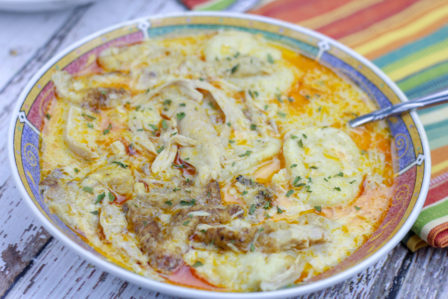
[435, 98]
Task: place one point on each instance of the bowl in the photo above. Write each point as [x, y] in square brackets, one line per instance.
[412, 157]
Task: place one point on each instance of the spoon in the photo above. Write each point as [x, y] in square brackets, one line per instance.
[435, 98]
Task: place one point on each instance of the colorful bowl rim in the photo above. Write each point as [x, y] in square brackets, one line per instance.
[191, 292]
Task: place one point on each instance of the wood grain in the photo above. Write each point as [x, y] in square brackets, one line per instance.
[33, 265]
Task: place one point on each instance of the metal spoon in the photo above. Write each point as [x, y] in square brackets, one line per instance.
[435, 98]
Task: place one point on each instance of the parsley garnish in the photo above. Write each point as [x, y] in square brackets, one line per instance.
[244, 192]
[293, 165]
[89, 125]
[253, 127]
[180, 115]
[357, 208]
[121, 164]
[300, 143]
[270, 58]
[164, 124]
[107, 130]
[191, 202]
[341, 174]
[197, 264]
[318, 208]
[169, 202]
[246, 154]
[100, 197]
[279, 211]
[234, 69]
[160, 149]
[87, 189]
[153, 127]
[337, 188]
[252, 209]
[94, 212]
[313, 167]
[111, 196]
[281, 114]
[76, 170]
[289, 193]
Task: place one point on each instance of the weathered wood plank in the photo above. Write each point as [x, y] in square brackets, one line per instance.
[22, 35]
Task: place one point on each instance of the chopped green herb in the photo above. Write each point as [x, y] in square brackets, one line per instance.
[266, 107]
[289, 193]
[279, 97]
[87, 189]
[256, 93]
[244, 192]
[318, 208]
[197, 264]
[179, 165]
[94, 212]
[304, 136]
[148, 90]
[228, 124]
[307, 96]
[341, 174]
[252, 247]
[296, 180]
[76, 170]
[140, 130]
[164, 124]
[107, 130]
[313, 167]
[180, 115]
[270, 58]
[48, 116]
[300, 143]
[137, 108]
[88, 116]
[294, 137]
[253, 127]
[281, 114]
[337, 188]
[236, 54]
[169, 202]
[267, 205]
[308, 188]
[191, 202]
[111, 196]
[234, 69]
[250, 93]
[325, 179]
[357, 208]
[186, 223]
[160, 149]
[290, 99]
[182, 104]
[252, 209]
[279, 211]
[231, 141]
[121, 164]
[89, 125]
[246, 154]
[299, 185]
[351, 182]
[100, 197]
[293, 165]
[167, 102]
[153, 127]
[319, 109]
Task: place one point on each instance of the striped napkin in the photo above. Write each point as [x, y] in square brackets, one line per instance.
[408, 40]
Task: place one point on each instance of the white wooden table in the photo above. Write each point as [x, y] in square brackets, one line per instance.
[34, 265]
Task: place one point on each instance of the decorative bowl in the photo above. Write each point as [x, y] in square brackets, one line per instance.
[412, 158]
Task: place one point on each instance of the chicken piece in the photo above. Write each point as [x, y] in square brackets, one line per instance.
[270, 237]
[281, 236]
[80, 139]
[205, 156]
[124, 58]
[66, 87]
[256, 194]
[117, 177]
[100, 98]
[114, 227]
